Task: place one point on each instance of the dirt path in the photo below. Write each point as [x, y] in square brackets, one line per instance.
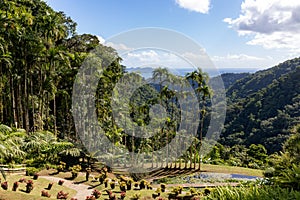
[82, 189]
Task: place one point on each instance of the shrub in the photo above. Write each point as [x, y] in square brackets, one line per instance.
[123, 186]
[90, 198]
[129, 183]
[45, 194]
[30, 171]
[75, 170]
[111, 195]
[158, 190]
[62, 195]
[112, 185]
[193, 191]
[136, 184]
[50, 186]
[136, 196]
[143, 184]
[269, 172]
[29, 186]
[35, 176]
[163, 187]
[96, 194]
[4, 185]
[149, 187]
[61, 182]
[207, 191]
[123, 178]
[106, 181]
[177, 190]
[15, 186]
[253, 192]
[123, 195]
[61, 167]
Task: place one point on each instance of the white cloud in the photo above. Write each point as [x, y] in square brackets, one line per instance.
[146, 58]
[201, 6]
[119, 47]
[101, 39]
[274, 24]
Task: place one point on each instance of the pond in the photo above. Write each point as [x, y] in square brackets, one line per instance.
[208, 177]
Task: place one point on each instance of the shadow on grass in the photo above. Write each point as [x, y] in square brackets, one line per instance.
[22, 190]
[92, 187]
[79, 182]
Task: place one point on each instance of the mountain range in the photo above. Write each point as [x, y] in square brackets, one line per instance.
[262, 106]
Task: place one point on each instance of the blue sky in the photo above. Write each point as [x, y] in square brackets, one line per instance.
[235, 34]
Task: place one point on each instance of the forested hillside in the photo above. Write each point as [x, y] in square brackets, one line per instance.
[40, 54]
[263, 106]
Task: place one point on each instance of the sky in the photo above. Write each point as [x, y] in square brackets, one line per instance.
[239, 34]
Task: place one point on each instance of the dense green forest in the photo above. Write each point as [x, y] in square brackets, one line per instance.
[262, 107]
[40, 55]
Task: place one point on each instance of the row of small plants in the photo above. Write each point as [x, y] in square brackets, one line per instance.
[30, 186]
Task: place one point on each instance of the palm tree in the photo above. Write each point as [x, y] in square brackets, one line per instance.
[199, 83]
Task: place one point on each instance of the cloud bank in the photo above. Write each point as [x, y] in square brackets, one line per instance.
[273, 24]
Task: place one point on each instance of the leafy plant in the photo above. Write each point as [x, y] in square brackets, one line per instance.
[123, 186]
[75, 170]
[62, 195]
[30, 171]
[143, 184]
[90, 198]
[123, 195]
[15, 186]
[29, 186]
[163, 187]
[136, 196]
[35, 176]
[61, 182]
[129, 183]
[4, 185]
[50, 186]
[96, 194]
[112, 185]
[45, 194]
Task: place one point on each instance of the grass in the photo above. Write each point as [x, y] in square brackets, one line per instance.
[231, 170]
[35, 194]
[41, 184]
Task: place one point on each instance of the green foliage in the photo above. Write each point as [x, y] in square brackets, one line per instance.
[30, 171]
[238, 155]
[75, 170]
[5, 129]
[263, 106]
[253, 192]
[287, 166]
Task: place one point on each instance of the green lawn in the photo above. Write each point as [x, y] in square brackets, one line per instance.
[35, 194]
[231, 170]
[41, 184]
